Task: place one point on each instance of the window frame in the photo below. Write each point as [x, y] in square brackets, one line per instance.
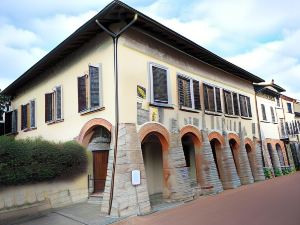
[88, 81]
[54, 105]
[29, 123]
[287, 106]
[247, 99]
[232, 102]
[151, 97]
[192, 96]
[215, 99]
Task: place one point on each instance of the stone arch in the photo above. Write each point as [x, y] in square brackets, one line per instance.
[234, 137]
[218, 136]
[250, 143]
[235, 146]
[157, 128]
[86, 130]
[192, 151]
[250, 150]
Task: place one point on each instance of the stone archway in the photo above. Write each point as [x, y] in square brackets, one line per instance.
[235, 146]
[155, 149]
[191, 139]
[280, 155]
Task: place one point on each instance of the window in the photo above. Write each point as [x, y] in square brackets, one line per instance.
[231, 105]
[28, 115]
[245, 106]
[263, 112]
[212, 98]
[188, 93]
[53, 105]
[273, 114]
[289, 107]
[159, 80]
[277, 99]
[11, 122]
[90, 89]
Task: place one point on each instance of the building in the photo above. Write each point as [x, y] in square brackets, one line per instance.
[270, 119]
[141, 97]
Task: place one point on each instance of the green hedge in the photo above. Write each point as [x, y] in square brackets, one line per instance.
[268, 173]
[28, 161]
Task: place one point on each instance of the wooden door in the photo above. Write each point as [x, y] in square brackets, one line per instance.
[100, 160]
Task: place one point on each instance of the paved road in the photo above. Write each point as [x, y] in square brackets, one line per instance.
[274, 202]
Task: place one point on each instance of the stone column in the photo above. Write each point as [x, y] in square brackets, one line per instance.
[290, 155]
[128, 200]
[276, 162]
[179, 173]
[231, 178]
[211, 183]
[258, 171]
[245, 169]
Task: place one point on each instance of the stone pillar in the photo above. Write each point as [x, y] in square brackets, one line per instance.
[179, 173]
[258, 172]
[276, 165]
[211, 183]
[128, 200]
[245, 169]
[290, 155]
[231, 178]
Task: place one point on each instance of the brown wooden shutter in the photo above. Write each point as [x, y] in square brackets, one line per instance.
[82, 101]
[48, 107]
[236, 104]
[228, 102]
[243, 105]
[160, 85]
[218, 100]
[58, 102]
[249, 107]
[209, 100]
[94, 86]
[196, 87]
[180, 91]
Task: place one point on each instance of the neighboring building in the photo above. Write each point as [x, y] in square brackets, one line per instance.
[270, 114]
[183, 116]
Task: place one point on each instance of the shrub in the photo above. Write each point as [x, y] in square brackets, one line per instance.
[277, 172]
[268, 173]
[27, 161]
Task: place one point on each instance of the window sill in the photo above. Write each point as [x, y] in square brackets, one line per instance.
[29, 129]
[213, 113]
[265, 121]
[89, 111]
[246, 118]
[187, 109]
[231, 116]
[55, 121]
[167, 106]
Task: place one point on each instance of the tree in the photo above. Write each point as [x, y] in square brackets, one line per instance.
[4, 103]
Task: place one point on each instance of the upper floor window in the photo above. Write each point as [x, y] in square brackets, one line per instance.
[90, 89]
[188, 93]
[212, 98]
[289, 107]
[273, 114]
[277, 99]
[28, 115]
[160, 87]
[263, 112]
[231, 103]
[53, 105]
[11, 122]
[245, 106]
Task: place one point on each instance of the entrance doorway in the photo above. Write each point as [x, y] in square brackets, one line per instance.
[100, 161]
[216, 148]
[153, 162]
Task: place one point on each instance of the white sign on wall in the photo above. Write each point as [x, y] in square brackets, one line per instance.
[136, 177]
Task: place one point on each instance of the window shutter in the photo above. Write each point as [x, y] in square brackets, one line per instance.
[196, 87]
[82, 102]
[228, 102]
[8, 123]
[249, 107]
[287, 128]
[218, 100]
[272, 114]
[160, 85]
[48, 107]
[94, 86]
[24, 117]
[236, 104]
[263, 111]
[14, 122]
[58, 102]
[243, 105]
[180, 91]
[32, 113]
[209, 100]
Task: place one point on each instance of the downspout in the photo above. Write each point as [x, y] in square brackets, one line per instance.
[115, 38]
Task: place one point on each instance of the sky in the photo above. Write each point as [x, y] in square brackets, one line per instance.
[260, 36]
